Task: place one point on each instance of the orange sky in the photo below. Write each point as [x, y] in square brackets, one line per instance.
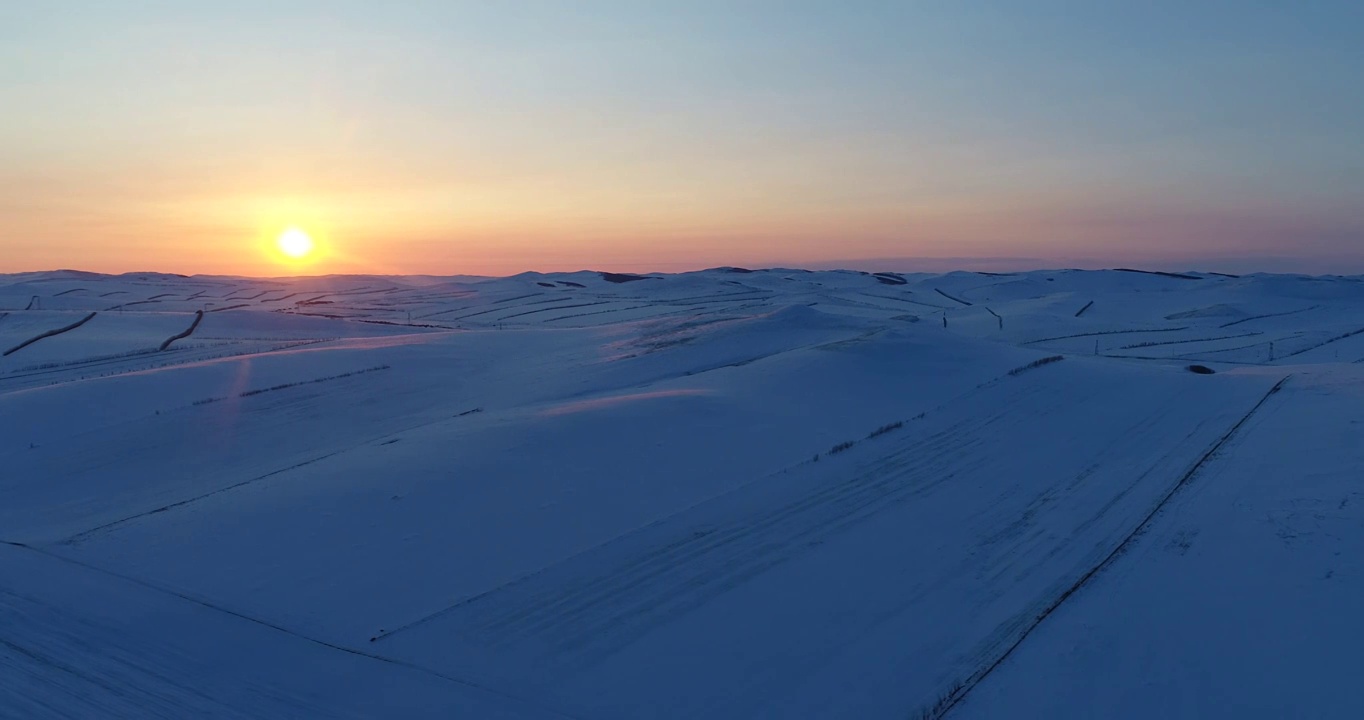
[464, 138]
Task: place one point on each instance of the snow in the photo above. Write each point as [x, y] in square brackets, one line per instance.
[1242, 598]
[722, 494]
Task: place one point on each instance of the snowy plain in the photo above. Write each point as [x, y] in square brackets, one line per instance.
[727, 493]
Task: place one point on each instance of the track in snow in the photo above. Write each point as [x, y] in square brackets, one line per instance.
[1000, 548]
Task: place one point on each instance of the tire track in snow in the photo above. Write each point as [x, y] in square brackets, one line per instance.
[211, 605]
[536, 600]
[85, 534]
[959, 693]
[611, 610]
[539, 606]
[635, 595]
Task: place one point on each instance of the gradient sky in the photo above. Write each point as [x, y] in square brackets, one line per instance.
[492, 137]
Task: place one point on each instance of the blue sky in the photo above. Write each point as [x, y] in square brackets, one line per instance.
[494, 137]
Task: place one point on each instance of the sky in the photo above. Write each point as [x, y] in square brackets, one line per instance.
[452, 137]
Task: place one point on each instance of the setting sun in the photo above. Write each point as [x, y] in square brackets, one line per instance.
[295, 243]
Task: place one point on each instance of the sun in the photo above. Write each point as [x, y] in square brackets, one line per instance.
[295, 243]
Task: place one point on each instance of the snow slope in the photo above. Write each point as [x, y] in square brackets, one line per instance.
[727, 493]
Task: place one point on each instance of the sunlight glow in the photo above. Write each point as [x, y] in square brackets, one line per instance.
[295, 243]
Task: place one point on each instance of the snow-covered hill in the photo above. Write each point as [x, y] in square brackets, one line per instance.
[728, 493]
